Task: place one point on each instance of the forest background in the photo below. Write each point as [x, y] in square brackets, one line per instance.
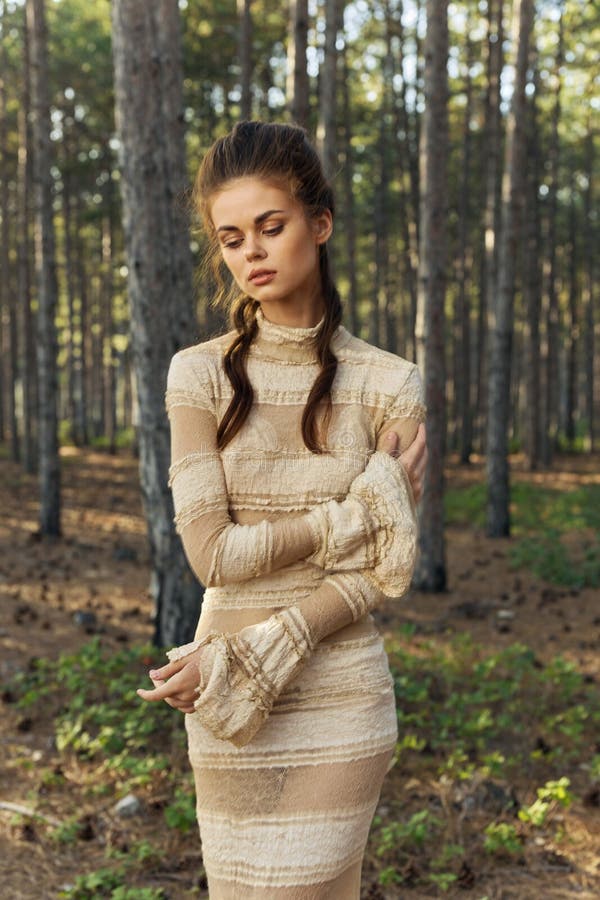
[461, 140]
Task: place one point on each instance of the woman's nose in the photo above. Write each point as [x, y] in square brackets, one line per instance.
[254, 250]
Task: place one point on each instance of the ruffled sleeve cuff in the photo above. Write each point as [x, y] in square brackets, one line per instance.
[374, 528]
[241, 675]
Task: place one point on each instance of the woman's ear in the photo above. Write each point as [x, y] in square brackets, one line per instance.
[323, 226]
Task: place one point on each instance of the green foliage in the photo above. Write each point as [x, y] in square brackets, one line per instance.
[100, 715]
[502, 838]
[483, 713]
[405, 835]
[181, 812]
[551, 795]
[540, 518]
[109, 883]
[124, 440]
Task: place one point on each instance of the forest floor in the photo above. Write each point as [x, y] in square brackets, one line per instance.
[460, 769]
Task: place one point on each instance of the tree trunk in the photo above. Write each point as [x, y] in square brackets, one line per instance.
[245, 57]
[430, 574]
[297, 84]
[588, 292]
[493, 182]
[463, 306]
[110, 423]
[573, 339]
[501, 330]
[28, 325]
[67, 205]
[150, 125]
[82, 391]
[532, 285]
[348, 206]
[550, 408]
[49, 466]
[8, 305]
[326, 131]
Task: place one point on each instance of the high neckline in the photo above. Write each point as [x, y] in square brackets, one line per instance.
[282, 334]
[291, 343]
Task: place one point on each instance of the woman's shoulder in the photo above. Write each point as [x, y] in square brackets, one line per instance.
[387, 369]
[202, 356]
[196, 369]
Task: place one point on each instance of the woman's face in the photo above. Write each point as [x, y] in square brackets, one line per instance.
[269, 245]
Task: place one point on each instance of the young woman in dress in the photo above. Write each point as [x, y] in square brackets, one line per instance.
[292, 491]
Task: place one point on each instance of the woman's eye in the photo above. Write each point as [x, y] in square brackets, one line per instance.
[276, 230]
[231, 245]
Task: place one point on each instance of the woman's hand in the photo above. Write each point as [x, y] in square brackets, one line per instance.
[414, 458]
[180, 690]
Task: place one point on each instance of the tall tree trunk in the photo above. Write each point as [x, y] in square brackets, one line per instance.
[532, 284]
[493, 183]
[406, 196]
[245, 56]
[501, 330]
[326, 131]
[24, 182]
[348, 206]
[8, 305]
[573, 340]
[431, 567]
[463, 305]
[110, 424]
[588, 292]
[297, 84]
[82, 392]
[49, 466]
[67, 205]
[550, 407]
[150, 125]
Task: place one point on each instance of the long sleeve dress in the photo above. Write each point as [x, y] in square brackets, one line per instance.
[295, 722]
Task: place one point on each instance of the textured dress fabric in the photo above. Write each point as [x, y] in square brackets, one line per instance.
[295, 723]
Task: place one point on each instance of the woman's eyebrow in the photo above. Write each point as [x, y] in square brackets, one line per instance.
[257, 221]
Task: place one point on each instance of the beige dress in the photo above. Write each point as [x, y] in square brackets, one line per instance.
[295, 722]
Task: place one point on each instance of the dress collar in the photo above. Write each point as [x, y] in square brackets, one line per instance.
[291, 342]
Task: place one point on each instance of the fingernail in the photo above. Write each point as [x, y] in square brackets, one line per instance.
[153, 672]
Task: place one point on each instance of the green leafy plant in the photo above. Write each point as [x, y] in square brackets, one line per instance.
[502, 838]
[181, 812]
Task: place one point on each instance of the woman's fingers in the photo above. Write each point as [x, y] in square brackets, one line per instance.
[414, 460]
[180, 687]
[390, 443]
[167, 671]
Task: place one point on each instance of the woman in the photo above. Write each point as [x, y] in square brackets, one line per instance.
[299, 520]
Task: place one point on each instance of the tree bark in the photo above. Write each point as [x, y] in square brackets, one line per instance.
[297, 84]
[501, 331]
[348, 206]
[551, 309]
[49, 466]
[493, 185]
[245, 56]
[326, 131]
[462, 343]
[430, 574]
[588, 293]
[532, 285]
[28, 325]
[150, 126]
[8, 305]
[572, 348]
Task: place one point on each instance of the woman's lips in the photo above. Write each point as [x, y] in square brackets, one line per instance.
[262, 277]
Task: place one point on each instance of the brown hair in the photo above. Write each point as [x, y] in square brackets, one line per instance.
[282, 153]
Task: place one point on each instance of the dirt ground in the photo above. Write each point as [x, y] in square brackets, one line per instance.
[100, 567]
